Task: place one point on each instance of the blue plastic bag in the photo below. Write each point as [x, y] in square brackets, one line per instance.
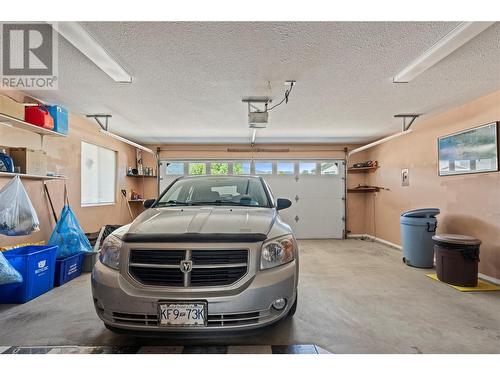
[68, 235]
[8, 274]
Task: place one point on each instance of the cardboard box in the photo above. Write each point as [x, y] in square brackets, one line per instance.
[30, 161]
[11, 108]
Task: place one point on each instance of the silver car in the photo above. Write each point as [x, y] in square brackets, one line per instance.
[211, 253]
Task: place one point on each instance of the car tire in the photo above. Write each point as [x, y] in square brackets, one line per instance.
[294, 307]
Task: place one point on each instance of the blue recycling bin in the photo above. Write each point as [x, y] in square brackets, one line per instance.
[36, 265]
[417, 229]
[60, 116]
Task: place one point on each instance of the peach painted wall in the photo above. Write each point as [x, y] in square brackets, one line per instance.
[470, 204]
[64, 158]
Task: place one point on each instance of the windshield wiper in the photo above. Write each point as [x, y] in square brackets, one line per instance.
[222, 203]
[173, 203]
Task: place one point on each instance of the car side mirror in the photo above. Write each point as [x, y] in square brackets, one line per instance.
[148, 203]
[283, 203]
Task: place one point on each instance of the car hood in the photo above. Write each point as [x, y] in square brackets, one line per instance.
[203, 220]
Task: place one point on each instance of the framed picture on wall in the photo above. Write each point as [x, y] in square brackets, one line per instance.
[469, 151]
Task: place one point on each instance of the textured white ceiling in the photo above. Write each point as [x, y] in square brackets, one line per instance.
[189, 78]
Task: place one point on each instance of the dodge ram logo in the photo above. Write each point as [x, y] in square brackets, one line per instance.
[186, 266]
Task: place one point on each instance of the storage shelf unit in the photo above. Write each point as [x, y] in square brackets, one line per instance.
[364, 190]
[361, 170]
[32, 176]
[23, 125]
[141, 175]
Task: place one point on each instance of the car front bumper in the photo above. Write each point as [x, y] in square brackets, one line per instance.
[122, 304]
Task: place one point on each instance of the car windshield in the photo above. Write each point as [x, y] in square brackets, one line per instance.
[232, 191]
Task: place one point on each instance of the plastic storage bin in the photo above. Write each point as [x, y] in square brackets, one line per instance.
[36, 264]
[89, 260]
[6, 162]
[60, 116]
[39, 116]
[68, 268]
[417, 229]
[457, 259]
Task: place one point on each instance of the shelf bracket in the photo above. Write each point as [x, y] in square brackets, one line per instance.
[405, 116]
[99, 119]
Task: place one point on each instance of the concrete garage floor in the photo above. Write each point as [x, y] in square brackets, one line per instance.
[354, 297]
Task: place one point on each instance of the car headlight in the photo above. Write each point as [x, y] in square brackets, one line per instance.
[109, 254]
[277, 251]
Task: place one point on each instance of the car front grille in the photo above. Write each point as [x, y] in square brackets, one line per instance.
[213, 320]
[188, 268]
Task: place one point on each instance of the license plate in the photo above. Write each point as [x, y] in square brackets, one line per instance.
[183, 314]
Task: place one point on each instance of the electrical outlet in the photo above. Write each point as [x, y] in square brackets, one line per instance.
[405, 177]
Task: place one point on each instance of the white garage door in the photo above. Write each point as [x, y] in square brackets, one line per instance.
[315, 187]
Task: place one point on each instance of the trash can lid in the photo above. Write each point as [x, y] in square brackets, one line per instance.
[457, 239]
[422, 212]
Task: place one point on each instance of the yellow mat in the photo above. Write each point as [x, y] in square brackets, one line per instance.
[482, 286]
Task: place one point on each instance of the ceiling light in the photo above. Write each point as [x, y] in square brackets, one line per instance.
[456, 38]
[74, 33]
[127, 141]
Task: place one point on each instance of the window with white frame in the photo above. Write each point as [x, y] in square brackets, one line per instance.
[263, 167]
[175, 168]
[98, 175]
[241, 167]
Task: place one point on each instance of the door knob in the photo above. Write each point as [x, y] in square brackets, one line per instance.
[296, 218]
[296, 198]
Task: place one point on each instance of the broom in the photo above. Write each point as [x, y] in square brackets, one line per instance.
[124, 192]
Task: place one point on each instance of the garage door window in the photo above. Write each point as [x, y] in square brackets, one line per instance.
[329, 168]
[175, 168]
[307, 168]
[219, 168]
[284, 167]
[98, 175]
[263, 168]
[241, 167]
[197, 168]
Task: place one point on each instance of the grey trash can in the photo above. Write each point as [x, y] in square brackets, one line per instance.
[417, 229]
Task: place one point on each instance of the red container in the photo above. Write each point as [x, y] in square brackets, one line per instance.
[39, 116]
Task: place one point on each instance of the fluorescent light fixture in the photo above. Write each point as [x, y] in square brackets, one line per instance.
[455, 39]
[127, 141]
[74, 33]
[376, 143]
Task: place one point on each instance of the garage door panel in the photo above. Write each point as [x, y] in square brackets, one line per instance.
[317, 209]
[320, 218]
[317, 202]
[320, 187]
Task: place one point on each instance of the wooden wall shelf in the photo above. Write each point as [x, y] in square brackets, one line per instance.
[23, 125]
[141, 175]
[32, 176]
[364, 190]
[361, 170]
